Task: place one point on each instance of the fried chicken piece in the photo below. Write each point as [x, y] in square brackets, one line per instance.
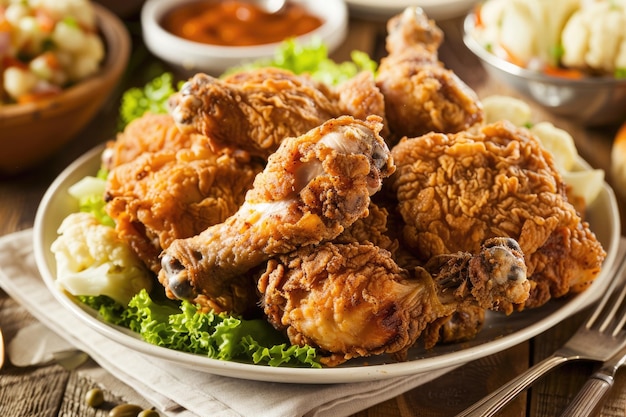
[353, 300]
[173, 190]
[456, 190]
[255, 110]
[497, 274]
[498, 282]
[461, 326]
[312, 188]
[149, 133]
[360, 97]
[372, 229]
[420, 94]
[349, 300]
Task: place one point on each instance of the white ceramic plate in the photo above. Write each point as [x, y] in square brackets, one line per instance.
[435, 9]
[499, 332]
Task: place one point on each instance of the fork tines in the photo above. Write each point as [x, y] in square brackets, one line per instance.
[615, 315]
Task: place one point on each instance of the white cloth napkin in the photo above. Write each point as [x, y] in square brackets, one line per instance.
[178, 391]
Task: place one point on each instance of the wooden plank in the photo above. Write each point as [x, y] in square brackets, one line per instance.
[91, 376]
[32, 392]
[551, 394]
[460, 388]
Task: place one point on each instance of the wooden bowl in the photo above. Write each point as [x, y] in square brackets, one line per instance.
[30, 133]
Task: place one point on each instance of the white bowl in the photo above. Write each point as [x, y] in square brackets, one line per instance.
[190, 57]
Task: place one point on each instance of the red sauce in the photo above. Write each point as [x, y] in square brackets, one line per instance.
[237, 23]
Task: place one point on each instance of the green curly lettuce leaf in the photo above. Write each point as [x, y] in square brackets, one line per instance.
[108, 309]
[219, 336]
[151, 98]
[312, 59]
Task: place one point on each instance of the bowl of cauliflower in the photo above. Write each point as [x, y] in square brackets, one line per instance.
[569, 56]
[61, 60]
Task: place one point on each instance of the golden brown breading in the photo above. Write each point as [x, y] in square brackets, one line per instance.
[421, 95]
[456, 190]
[149, 133]
[350, 300]
[312, 188]
[175, 192]
[253, 110]
[353, 300]
[256, 110]
[372, 229]
[360, 97]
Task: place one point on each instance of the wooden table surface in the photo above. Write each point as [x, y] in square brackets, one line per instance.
[53, 391]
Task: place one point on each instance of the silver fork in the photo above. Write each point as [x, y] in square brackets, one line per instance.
[597, 339]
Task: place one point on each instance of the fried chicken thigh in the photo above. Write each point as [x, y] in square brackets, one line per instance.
[420, 94]
[353, 300]
[456, 190]
[312, 188]
[165, 185]
[255, 110]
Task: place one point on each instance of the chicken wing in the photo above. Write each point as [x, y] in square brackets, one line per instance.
[420, 94]
[456, 190]
[255, 110]
[353, 300]
[312, 188]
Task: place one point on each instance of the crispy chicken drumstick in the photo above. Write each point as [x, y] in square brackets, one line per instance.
[312, 188]
[255, 110]
[353, 300]
[421, 95]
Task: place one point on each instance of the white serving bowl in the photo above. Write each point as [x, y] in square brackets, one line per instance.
[189, 57]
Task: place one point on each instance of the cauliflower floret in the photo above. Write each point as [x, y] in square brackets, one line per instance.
[87, 61]
[92, 260]
[525, 32]
[560, 143]
[595, 37]
[514, 110]
[503, 21]
[18, 82]
[586, 183]
[516, 19]
[81, 10]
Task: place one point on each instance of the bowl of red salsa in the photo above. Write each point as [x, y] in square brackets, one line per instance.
[211, 36]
